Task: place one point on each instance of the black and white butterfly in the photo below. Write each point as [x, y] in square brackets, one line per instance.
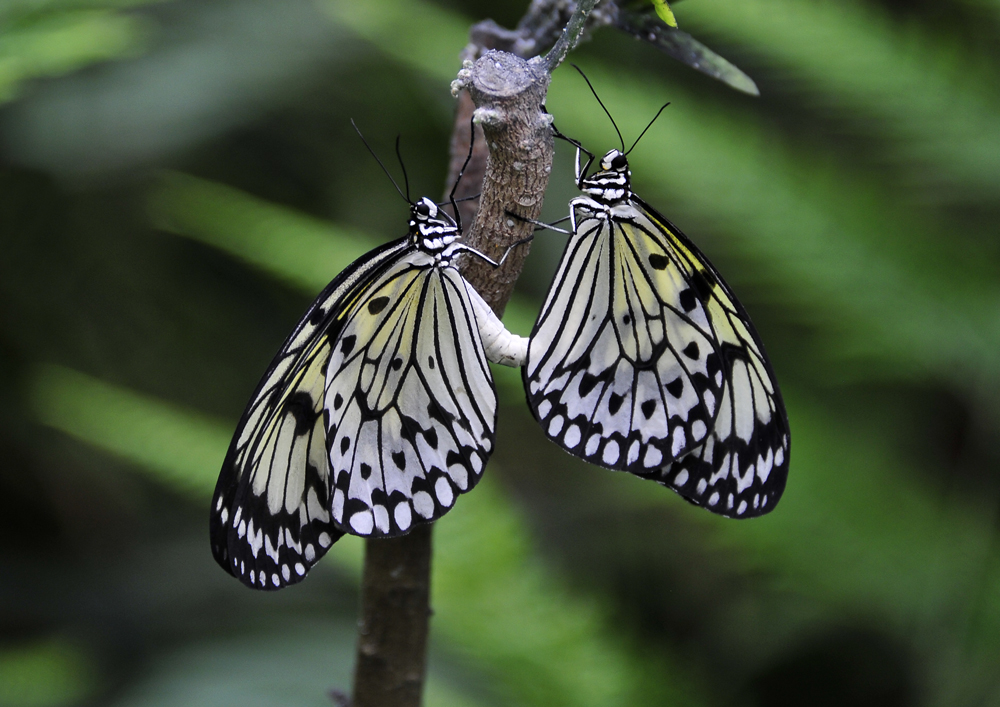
[643, 360]
[377, 412]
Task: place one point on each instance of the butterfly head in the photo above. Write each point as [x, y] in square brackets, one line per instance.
[431, 229]
[610, 185]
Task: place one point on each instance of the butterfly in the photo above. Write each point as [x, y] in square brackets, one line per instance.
[643, 360]
[377, 412]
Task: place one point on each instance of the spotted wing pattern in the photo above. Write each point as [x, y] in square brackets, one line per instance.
[642, 360]
[623, 369]
[741, 468]
[411, 401]
[270, 519]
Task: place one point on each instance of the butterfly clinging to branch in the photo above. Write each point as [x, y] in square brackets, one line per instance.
[643, 360]
[377, 413]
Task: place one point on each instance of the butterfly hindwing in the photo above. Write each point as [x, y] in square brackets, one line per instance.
[420, 392]
[270, 519]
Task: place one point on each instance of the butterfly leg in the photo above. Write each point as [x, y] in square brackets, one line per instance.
[541, 224]
[488, 259]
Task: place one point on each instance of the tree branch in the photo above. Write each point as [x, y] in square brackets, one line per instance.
[510, 167]
[508, 93]
[571, 35]
[395, 612]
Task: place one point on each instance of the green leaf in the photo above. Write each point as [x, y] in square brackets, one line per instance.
[664, 12]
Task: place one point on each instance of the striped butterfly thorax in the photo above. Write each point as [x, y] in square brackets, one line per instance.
[377, 413]
[643, 360]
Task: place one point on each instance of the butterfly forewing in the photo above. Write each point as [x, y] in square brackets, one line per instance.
[270, 518]
[420, 393]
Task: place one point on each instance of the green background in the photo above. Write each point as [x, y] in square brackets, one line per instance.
[178, 180]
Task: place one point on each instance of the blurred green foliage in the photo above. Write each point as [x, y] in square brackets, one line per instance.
[168, 207]
[40, 39]
[47, 672]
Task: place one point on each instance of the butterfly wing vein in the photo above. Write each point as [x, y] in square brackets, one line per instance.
[642, 360]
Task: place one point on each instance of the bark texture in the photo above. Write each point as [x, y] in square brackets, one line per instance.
[395, 613]
[508, 93]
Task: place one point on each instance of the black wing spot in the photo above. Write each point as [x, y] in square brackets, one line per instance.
[589, 380]
[397, 363]
[345, 444]
[366, 471]
[615, 403]
[410, 428]
[439, 413]
[430, 362]
[587, 383]
[454, 459]
[712, 364]
[421, 484]
[703, 282]
[377, 305]
[399, 459]
[688, 300]
[347, 344]
[691, 350]
[648, 408]
[300, 406]
[626, 320]
[675, 387]
[431, 436]
[317, 316]
[379, 497]
[658, 261]
[338, 400]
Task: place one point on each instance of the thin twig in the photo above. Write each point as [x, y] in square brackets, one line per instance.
[570, 36]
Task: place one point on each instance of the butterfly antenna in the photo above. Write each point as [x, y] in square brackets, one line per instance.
[406, 180]
[458, 179]
[405, 196]
[606, 111]
[647, 127]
